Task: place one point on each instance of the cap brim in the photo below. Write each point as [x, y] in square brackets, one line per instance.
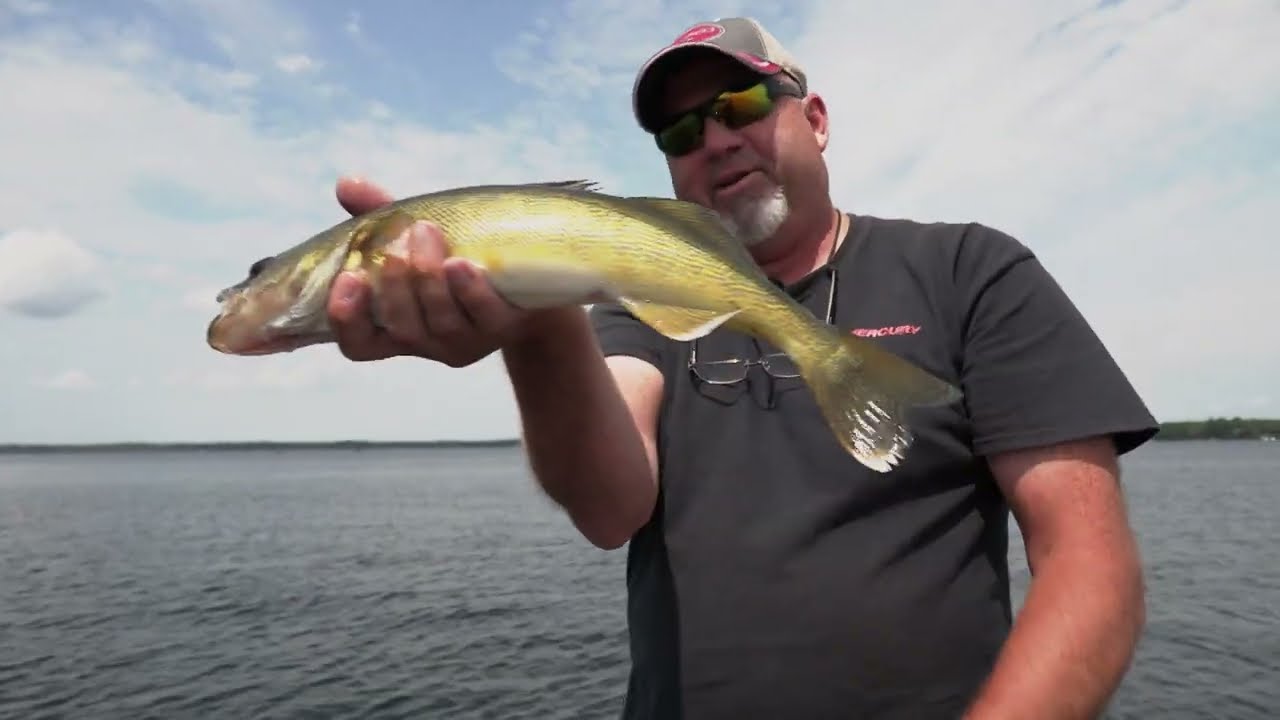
[647, 84]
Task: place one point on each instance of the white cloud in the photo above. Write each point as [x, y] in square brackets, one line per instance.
[352, 25]
[23, 8]
[149, 134]
[1020, 103]
[251, 34]
[580, 57]
[586, 46]
[295, 63]
[1108, 139]
[1112, 138]
[68, 380]
[162, 171]
[299, 371]
[45, 274]
[1114, 142]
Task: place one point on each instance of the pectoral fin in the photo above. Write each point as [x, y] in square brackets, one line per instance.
[678, 323]
[374, 235]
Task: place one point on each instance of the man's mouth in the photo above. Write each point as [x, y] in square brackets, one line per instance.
[732, 180]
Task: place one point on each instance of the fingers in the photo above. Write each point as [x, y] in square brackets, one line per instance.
[348, 310]
[443, 316]
[358, 196]
[395, 304]
[489, 312]
[427, 303]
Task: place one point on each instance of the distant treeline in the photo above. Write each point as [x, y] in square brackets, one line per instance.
[256, 445]
[1211, 429]
[1220, 429]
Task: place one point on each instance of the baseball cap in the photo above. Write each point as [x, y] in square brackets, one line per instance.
[742, 38]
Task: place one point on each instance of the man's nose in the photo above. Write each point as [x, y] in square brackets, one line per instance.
[720, 139]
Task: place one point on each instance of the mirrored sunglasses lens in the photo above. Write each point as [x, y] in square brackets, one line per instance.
[746, 106]
[682, 136]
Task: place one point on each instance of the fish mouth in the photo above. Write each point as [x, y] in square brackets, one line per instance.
[265, 323]
[229, 336]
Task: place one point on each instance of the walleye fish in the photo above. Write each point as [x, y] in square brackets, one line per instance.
[673, 264]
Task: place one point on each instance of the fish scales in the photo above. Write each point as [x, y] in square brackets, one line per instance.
[673, 264]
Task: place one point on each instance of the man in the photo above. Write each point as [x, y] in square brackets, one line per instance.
[769, 574]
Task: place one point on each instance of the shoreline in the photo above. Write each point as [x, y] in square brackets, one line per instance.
[1220, 428]
[235, 445]
[1261, 430]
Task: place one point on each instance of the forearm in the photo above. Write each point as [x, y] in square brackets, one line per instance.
[581, 440]
[1072, 641]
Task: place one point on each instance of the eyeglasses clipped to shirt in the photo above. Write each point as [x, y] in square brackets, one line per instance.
[776, 364]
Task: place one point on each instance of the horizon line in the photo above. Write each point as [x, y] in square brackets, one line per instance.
[17, 447]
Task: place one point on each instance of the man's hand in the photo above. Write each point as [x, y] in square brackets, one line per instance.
[427, 305]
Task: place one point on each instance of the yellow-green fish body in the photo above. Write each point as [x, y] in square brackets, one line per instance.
[673, 264]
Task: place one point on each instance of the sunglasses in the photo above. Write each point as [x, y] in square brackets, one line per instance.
[733, 108]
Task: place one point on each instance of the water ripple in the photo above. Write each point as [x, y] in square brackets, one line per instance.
[415, 584]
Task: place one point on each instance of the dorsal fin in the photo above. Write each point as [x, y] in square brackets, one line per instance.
[579, 185]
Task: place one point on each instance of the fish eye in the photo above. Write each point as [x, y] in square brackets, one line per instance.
[258, 267]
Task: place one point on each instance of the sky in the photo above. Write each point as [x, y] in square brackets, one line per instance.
[153, 149]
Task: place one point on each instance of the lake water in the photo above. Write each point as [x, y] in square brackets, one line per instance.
[438, 583]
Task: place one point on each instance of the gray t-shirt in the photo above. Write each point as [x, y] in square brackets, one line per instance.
[780, 578]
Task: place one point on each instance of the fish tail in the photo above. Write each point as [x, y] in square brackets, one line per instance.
[865, 393]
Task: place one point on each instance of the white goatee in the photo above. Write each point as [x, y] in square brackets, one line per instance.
[756, 219]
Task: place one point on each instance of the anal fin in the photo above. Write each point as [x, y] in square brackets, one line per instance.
[678, 323]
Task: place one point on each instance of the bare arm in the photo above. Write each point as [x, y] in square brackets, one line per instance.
[588, 427]
[1074, 639]
[588, 423]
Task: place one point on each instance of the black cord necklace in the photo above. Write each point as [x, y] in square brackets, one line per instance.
[835, 239]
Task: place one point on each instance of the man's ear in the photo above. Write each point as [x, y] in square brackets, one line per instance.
[815, 111]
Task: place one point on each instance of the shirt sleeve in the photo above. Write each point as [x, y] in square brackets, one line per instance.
[1032, 369]
[620, 333]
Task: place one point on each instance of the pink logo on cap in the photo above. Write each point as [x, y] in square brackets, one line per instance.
[699, 33]
[759, 63]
